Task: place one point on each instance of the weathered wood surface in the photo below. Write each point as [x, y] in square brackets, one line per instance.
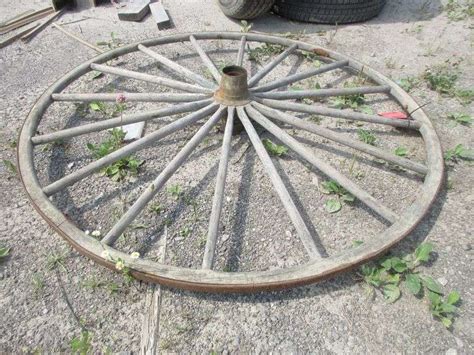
[151, 317]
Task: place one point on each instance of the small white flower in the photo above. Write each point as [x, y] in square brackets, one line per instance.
[135, 255]
[95, 233]
[119, 265]
[87, 232]
[105, 254]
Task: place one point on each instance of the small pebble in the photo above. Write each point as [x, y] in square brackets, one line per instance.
[70, 165]
[224, 238]
[443, 281]
[451, 352]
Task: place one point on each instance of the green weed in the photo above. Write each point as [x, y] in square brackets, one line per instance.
[175, 191]
[264, 52]
[457, 11]
[56, 260]
[366, 136]
[273, 148]
[245, 27]
[408, 83]
[122, 168]
[461, 118]
[390, 273]
[459, 152]
[442, 78]
[401, 151]
[11, 168]
[4, 252]
[331, 187]
[82, 344]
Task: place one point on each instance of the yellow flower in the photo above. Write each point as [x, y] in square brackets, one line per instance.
[95, 233]
[135, 255]
[119, 265]
[105, 254]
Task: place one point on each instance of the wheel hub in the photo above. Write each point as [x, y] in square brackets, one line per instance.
[233, 89]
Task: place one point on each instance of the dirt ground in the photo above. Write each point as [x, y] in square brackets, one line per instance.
[49, 293]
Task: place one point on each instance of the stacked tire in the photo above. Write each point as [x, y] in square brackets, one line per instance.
[329, 11]
[245, 9]
[319, 11]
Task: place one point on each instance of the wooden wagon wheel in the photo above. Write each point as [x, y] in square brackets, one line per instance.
[230, 97]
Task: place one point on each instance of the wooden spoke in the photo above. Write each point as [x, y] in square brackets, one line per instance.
[271, 65]
[347, 115]
[319, 164]
[218, 199]
[206, 60]
[329, 134]
[178, 69]
[174, 84]
[300, 76]
[279, 186]
[127, 150]
[143, 97]
[240, 54]
[119, 121]
[161, 179]
[301, 94]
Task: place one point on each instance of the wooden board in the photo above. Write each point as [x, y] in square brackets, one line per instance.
[134, 11]
[159, 15]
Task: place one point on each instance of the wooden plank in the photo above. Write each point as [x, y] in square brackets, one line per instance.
[151, 317]
[26, 15]
[29, 36]
[25, 21]
[135, 11]
[15, 18]
[14, 37]
[97, 49]
[159, 15]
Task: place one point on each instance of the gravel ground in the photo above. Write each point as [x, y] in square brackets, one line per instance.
[45, 305]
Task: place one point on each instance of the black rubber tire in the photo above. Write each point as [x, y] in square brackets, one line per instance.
[329, 11]
[245, 9]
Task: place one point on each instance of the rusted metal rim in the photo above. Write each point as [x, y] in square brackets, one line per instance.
[214, 281]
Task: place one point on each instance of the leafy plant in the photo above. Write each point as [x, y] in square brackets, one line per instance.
[4, 252]
[366, 136]
[331, 187]
[408, 83]
[391, 272]
[176, 191]
[82, 344]
[122, 168]
[461, 118]
[273, 148]
[186, 231]
[457, 12]
[401, 151]
[444, 309]
[11, 168]
[442, 78]
[459, 152]
[112, 44]
[264, 52]
[156, 208]
[38, 283]
[245, 27]
[333, 205]
[108, 110]
[313, 58]
[56, 260]
[466, 96]
[348, 101]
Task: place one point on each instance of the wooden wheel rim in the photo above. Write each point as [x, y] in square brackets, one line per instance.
[215, 281]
